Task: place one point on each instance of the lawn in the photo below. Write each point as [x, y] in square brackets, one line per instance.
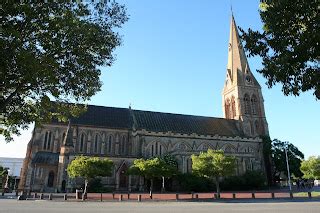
[305, 194]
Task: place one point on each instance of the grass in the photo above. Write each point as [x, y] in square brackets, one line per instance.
[305, 194]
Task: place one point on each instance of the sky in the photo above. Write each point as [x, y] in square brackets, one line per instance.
[173, 59]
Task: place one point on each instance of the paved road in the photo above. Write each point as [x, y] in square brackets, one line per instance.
[13, 206]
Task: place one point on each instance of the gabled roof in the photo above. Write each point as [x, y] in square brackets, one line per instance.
[48, 158]
[123, 118]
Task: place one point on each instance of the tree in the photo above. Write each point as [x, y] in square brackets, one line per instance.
[295, 157]
[89, 168]
[151, 169]
[311, 168]
[288, 45]
[51, 53]
[213, 164]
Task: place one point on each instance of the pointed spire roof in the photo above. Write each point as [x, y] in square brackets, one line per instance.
[67, 141]
[237, 68]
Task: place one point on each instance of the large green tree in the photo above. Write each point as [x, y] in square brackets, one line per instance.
[153, 168]
[311, 168]
[89, 168]
[53, 52]
[295, 157]
[289, 44]
[213, 164]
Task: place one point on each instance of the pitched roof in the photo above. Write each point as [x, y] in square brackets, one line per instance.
[112, 117]
[48, 158]
[185, 124]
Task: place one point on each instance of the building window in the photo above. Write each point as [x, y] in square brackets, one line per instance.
[227, 108]
[47, 141]
[123, 145]
[96, 140]
[152, 147]
[110, 143]
[247, 107]
[254, 105]
[258, 127]
[82, 143]
[50, 179]
[233, 107]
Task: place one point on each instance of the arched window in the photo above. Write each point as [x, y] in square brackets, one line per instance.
[47, 141]
[50, 179]
[247, 109]
[152, 149]
[110, 143]
[63, 137]
[233, 107]
[227, 108]
[254, 105]
[257, 126]
[96, 141]
[82, 142]
[156, 148]
[123, 144]
[251, 128]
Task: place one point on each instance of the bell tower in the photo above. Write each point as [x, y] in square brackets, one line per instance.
[242, 97]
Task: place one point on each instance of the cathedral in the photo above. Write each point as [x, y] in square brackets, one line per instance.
[126, 134]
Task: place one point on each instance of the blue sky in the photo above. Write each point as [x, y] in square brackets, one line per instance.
[173, 59]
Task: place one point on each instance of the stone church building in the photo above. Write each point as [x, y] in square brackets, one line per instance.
[125, 134]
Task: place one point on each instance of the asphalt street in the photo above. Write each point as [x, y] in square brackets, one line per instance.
[13, 206]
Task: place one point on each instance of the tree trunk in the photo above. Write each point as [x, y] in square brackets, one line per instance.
[84, 195]
[151, 188]
[218, 187]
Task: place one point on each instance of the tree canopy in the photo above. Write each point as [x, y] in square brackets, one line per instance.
[213, 164]
[89, 168]
[154, 168]
[311, 168]
[295, 157]
[3, 171]
[53, 52]
[289, 45]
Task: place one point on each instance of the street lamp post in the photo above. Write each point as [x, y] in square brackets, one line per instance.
[288, 168]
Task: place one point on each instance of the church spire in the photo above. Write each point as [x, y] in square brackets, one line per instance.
[238, 70]
[242, 96]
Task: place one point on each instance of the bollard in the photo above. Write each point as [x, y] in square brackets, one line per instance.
[35, 195]
[291, 195]
[272, 195]
[120, 197]
[197, 196]
[309, 195]
[234, 195]
[2, 193]
[253, 195]
[50, 196]
[101, 197]
[139, 198]
[41, 196]
[128, 196]
[177, 197]
[192, 194]
[112, 195]
[65, 197]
